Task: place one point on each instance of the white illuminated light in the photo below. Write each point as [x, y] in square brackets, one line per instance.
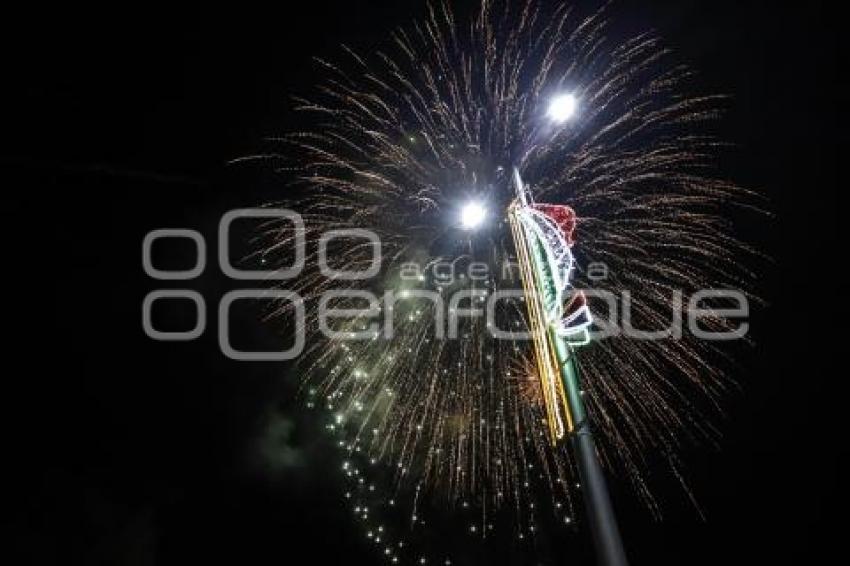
[472, 215]
[562, 108]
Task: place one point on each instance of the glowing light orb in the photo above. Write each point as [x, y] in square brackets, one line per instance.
[562, 108]
[472, 215]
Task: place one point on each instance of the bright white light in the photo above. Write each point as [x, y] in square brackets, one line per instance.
[562, 108]
[472, 215]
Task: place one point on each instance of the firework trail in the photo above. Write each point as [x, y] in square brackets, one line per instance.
[401, 138]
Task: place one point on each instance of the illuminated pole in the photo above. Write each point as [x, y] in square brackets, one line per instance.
[559, 376]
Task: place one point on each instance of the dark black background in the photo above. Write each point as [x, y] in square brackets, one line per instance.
[119, 119]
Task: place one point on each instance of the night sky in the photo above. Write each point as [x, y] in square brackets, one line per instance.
[120, 119]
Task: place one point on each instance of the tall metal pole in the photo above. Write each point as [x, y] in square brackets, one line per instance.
[597, 501]
[551, 347]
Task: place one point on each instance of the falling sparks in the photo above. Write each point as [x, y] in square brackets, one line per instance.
[403, 138]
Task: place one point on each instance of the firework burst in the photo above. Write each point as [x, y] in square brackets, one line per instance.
[402, 138]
